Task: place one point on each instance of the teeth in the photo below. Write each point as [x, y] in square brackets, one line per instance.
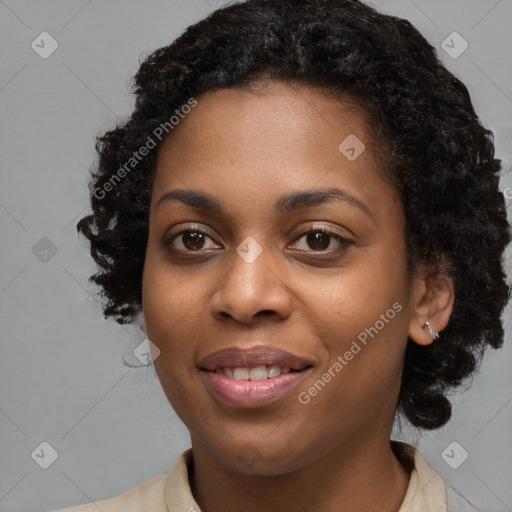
[241, 374]
[274, 371]
[257, 373]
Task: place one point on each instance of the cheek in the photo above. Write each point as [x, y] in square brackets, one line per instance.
[360, 293]
[171, 304]
[366, 312]
[170, 295]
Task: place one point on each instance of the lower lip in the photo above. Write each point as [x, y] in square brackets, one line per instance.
[248, 393]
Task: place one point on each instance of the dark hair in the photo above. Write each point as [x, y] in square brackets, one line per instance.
[439, 157]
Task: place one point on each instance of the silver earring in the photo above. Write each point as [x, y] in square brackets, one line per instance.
[431, 331]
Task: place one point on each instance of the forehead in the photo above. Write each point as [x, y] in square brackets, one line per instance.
[281, 118]
[268, 140]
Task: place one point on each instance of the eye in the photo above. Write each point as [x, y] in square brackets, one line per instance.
[195, 239]
[322, 239]
[189, 240]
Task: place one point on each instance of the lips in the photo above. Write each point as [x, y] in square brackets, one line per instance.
[252, 377]
[253, 357]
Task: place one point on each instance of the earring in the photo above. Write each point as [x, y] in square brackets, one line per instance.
[431, 331]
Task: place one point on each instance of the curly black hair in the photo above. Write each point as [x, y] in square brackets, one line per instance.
[439, 157]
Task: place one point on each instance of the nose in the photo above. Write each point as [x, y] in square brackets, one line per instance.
[251, 291]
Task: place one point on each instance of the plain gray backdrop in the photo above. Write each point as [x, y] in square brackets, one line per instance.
[62, 380]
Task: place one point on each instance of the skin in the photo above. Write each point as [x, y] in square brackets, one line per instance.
[247, 148]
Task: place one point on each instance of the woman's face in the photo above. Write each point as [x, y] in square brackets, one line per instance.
[249, 269]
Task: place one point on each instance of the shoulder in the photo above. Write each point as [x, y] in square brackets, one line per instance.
[427, 491]
[148, 496]
[168, 491]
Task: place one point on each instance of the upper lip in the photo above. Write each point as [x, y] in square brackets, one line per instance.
[251, 357]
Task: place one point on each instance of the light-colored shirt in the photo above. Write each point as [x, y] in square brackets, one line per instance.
[170, 492]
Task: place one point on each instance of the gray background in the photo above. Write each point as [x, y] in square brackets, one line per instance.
[62, 379]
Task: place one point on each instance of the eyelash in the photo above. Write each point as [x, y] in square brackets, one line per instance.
[343, 241]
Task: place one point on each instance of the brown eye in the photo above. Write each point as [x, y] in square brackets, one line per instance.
[189, 240]
[193, 240]
[320, 240]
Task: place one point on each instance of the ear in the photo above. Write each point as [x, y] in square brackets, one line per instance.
[433, 298]
[142, 321]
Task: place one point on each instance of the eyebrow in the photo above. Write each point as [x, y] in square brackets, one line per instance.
[285, 204]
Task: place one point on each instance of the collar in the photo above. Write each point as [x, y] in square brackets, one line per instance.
[425, 493]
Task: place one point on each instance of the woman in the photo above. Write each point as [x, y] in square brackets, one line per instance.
[305, 207]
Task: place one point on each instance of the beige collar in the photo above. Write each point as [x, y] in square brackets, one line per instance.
[426, 491]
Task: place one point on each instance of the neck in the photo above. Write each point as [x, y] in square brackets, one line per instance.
[356, 476]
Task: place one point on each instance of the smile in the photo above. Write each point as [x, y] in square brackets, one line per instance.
[252, 377]
[257, 373]
[241, 390]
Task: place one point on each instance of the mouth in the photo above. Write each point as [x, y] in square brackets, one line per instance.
[248, 378]
[257, 373]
